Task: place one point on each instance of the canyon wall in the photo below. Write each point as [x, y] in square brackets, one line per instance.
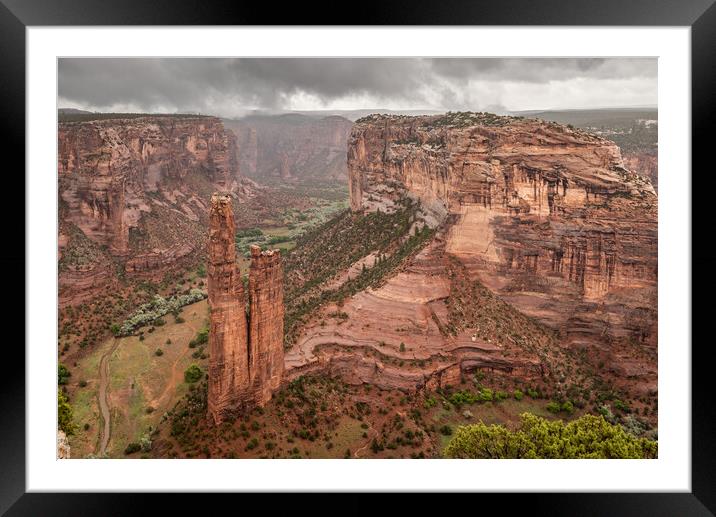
[134, 193]
[245, 355]
[546, 216]
[545, 247]
[292, 147]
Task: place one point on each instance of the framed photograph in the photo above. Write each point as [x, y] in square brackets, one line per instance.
[455, 242]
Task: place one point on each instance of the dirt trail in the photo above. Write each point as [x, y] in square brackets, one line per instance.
[370, 429]
[103, 401]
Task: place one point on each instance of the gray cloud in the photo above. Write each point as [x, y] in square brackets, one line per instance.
[231, 86]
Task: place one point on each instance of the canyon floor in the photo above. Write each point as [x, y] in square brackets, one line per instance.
[127, 380]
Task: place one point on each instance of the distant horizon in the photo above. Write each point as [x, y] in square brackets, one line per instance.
[278, 112]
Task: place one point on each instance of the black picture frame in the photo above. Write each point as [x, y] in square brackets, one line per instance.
[700, 15]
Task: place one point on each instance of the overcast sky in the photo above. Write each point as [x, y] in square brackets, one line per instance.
[230, 87]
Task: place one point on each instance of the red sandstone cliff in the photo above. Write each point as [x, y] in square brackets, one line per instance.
[546, 217]
[245, 357]
[137, 190]
[292, 146]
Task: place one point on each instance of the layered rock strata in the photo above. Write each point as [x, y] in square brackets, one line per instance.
[546, 217]
[138, 188]
[245, 355]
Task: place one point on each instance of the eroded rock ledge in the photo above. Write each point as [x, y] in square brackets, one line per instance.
[138, 189]
[545, 216]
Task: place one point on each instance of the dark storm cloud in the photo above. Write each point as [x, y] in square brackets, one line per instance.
[228, 86]
[541, 70]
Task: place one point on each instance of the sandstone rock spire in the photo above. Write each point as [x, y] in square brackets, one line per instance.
[243, 371]
[228, 351]
[266, 331]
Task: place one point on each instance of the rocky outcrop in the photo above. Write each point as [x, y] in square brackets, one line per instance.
[547, 218]
[396, 336]
[63, 446]
[644, 163]
[292, 147]
[243, 371]
[138, 188]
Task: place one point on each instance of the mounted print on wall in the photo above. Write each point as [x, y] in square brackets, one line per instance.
[357, 257]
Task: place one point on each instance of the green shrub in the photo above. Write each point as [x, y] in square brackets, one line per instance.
[567, 407]
[589, 436]
[554, 407]
[446, 430]
[430, 402]
[64, 414]
[193, 373]
[159, 352]
[606, 412]
[518, 395]
[463, 397]
[131, 448]
[154, 310]
[621, 406]
[486, 395]
[63, 374]
[249, 232]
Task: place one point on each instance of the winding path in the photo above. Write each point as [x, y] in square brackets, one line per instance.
[370, 440]
[102, 395]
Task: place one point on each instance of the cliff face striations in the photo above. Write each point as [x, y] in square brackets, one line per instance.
[135, 191]
[243, 371]
[545, 245]
[546, 216]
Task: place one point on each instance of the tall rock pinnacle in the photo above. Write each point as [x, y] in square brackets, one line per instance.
[228, 353]
[267, 310]
[243, 372]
